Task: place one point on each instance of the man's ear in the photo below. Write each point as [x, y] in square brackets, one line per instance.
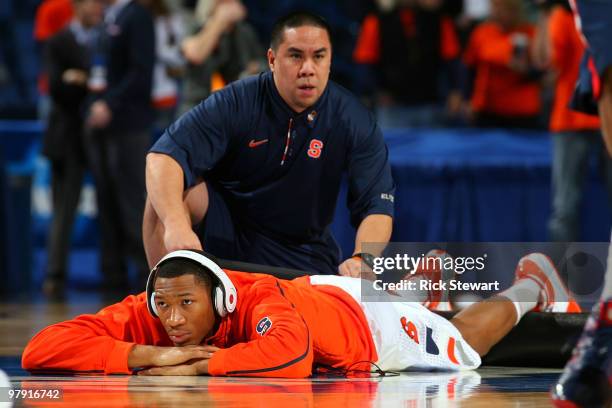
[271, 59]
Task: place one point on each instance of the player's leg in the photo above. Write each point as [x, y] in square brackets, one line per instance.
[483, 324]
[195, 201]
[537, 286]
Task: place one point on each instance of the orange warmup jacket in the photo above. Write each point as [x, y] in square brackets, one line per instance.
[310, 325]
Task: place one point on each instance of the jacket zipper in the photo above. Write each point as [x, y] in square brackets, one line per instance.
[287, 142]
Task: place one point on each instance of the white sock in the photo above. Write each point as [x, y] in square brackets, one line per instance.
[524, 295]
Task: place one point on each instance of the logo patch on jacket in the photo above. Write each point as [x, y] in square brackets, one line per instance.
[263, 326]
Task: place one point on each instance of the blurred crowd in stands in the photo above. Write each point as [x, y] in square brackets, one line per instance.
[111, 73]
[415, 62]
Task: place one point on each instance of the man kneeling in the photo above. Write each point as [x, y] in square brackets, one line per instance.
[196, 318]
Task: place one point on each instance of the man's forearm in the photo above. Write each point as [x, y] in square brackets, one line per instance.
[141, 356]
[374, 229]
[164, 180]
[198, 47]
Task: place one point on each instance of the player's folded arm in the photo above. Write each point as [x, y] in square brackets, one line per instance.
[93, 343]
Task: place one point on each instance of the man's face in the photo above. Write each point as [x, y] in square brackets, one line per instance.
[301, 65]
[90, 12]
[185, 309]
[505, 12]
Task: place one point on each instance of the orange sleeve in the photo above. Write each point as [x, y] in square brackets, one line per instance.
[449, 42]
[51, 17]
[367, 50]
[278, 344]
[94, 343]
[560, 30]
[41, 25]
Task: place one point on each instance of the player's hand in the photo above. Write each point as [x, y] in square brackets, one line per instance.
[147, 356]
[172, 356]
[194, 367]
[355, 268]
[181, 237]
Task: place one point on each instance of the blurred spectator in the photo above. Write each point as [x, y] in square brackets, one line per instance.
[169, 64]
[506, 87]
[118, 135]
[51, 17]
[575, 135]
[409, 43]
[67, 62]
[222, 43]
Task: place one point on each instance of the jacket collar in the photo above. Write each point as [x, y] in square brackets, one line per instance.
[282, 110]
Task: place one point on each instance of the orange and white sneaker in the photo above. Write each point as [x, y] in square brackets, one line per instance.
[554, 295]
[435, 270]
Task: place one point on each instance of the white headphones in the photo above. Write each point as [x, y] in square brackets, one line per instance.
[224, 294]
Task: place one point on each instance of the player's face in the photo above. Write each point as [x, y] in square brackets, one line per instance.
[185, 309]
[301, 65]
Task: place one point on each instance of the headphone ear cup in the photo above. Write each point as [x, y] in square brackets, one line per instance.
[219, 302]
[153, 306]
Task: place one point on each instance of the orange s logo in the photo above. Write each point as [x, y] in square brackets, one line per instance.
[315, 148]
[410, 329]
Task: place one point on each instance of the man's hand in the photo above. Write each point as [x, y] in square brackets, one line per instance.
[146, 356]
[100, 115]
[75, 77]
[177, 237]
[194, 367]
[356, 268]
[229, 12]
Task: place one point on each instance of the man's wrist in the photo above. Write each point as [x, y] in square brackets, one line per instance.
[366, 258]
[202, 367]
[141, 356]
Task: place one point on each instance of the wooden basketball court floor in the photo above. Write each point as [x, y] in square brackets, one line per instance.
[489, 387]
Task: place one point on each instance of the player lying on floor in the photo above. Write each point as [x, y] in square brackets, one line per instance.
[196, 318]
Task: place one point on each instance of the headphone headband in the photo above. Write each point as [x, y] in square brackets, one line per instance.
[229, 295]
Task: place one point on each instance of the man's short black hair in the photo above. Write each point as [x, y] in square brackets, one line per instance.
[173, 268]
[294, 20]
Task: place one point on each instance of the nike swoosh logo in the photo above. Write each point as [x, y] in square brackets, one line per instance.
[254, 143]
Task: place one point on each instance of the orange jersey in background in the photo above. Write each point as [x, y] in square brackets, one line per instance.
[308, 325]
[498, 89]
[566, 52]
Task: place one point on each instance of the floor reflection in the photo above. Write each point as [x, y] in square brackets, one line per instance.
[501, 387]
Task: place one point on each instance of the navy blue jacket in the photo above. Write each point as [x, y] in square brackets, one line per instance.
[130, 48]
[237, 138]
